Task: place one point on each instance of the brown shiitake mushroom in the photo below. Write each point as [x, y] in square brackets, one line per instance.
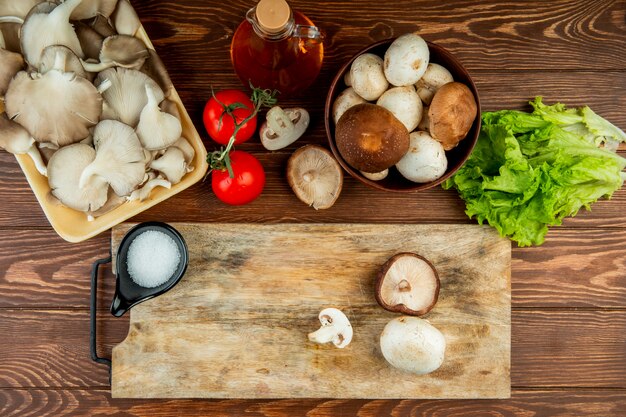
[451, 114]
[407, 283]
[370, 138]
[315, 176]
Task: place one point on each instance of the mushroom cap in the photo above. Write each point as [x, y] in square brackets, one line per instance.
[370, 138]
[125, 19]
[10, 33]
[13, 137]
[69, 61]
[188, 151]
[336, 328]
[407, 283]
[10, 64]
[90, 40]
[119, 158]
[17, 8]
[346, 99]
[157, 129]
[171, 164]
[451, 114]
[92, 8]
[126, 97]
[155, 69]
[367, 77]
[315, 176]
[413, 345]
[64, 171]
[405, 104]
[425, 161]
[406, 60]
[56, 107]
[122, 51]
[49, 24]
[433, 79]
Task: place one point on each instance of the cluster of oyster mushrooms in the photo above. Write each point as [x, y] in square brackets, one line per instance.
[88, 102]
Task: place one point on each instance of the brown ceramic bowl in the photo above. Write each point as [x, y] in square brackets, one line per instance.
[395, 181]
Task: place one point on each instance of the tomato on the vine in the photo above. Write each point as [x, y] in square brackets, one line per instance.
[247, 181]
[220, 112]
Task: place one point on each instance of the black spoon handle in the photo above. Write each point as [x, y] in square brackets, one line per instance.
[93, 311]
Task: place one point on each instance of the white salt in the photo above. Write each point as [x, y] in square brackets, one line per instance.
[152, 258]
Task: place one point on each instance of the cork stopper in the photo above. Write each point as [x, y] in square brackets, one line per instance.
[273, 15]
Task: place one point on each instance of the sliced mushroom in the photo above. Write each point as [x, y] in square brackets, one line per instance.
[119, 51]
[15, 139]
[125, 19]
[188, 151]
[171, 164]
[405, 104]
[52, 27]
[56, 107]
[413, 345]
[407, 283]
[127, 96]
[64, 173]
[156, 70]
[90, 40]
[336, 328]
[375, 176]
[367, 77]
[406, 60]
[63, 59]
[315, 176]
[144, 192]
[433, 79]
[344, 101]
[283, 127]
[92, 8]
[119, 158]
[157, 129]
[10, 64]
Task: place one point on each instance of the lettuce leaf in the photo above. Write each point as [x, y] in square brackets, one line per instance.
[528, 171]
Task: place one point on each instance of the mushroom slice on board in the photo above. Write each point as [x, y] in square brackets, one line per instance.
[64, 173]
[49, 28]
[171, 164]
[57, 107]
[315, 176]
[157, 129]
[16, 140]
[92, 8]
[413, 345]
[408, 284]
[65, 60]
[119, 51]
[126, 97]
[283, 127]
[125, 19]
[10, 64]
[119, 158]
[336, 328]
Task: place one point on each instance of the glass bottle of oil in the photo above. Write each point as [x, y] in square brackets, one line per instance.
[277, 48]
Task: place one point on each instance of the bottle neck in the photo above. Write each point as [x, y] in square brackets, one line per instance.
[284, 32]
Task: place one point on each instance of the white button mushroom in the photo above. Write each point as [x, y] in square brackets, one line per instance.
[336, 328]
[367, 77]
[405, 104]
[157, 129]
[406, 60]
[433, 79]
[375, 176]
[413, 345]
[425, 161]
[344, 101]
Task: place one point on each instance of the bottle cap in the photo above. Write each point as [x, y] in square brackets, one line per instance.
[273, 15]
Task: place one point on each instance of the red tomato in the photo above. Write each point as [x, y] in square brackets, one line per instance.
[247, 184]
[213, 111]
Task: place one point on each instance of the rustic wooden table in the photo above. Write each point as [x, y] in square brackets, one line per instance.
[569, 296]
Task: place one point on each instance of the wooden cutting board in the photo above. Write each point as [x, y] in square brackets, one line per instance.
[236, 325]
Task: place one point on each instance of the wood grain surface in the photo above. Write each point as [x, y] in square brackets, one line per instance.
[569, 297]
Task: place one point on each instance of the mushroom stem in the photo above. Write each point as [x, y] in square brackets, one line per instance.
[3, 44]
[59, 62]
[104, 86]
[12, 19]
[97, 67]
[324, 334]
[34, 154]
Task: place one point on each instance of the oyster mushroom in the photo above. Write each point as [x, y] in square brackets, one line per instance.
[336, 328]
[16, 140]
[141, 194]
[405, 104]
[57, 107]
[102, 25]
[188, 151]
[90, 40]
[127, 97]
[11, 36]
[17, 8]
[171, 164]
[155, 69]
[119, 51]
[64, 173]
[113, 202]
[406, 60]
[283, 127]
[413, 345]
[10, 64]
[433, 79]
[92, 8]
[63, 59]
[370, 138]
[125, 19]
[49, 27]
[367, 77]
[315, 176]
[344, 101]
[425, 161]
[407, 283]
[119, 158]
[170, 107]
[157, 129]
[451, 114]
